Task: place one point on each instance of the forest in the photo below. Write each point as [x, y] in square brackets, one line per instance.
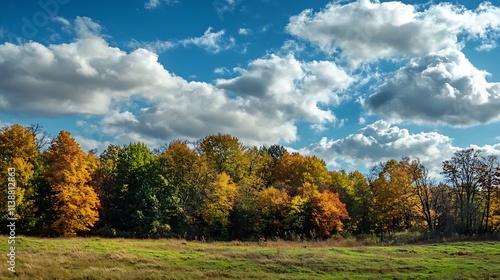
[218, 189]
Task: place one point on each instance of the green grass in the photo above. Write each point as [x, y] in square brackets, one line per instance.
[98, 258]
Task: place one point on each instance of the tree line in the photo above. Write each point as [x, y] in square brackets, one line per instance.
[217, 188]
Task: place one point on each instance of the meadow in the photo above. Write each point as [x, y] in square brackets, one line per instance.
[100, 258]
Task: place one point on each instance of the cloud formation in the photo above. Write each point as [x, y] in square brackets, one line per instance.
[212, 42]
[294, 89]
[439, 88]
[137, 99]
[381, 141]
[370, 30]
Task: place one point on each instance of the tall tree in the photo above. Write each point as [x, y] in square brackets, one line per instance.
[140, 181]
[74, 201]
[463, 172]
[105, 181]
[218, 203]
[424, 191]
[354, 191]
[490, 171]
[188, 176]
[225, 154]
[293, 170]
[393, 193]
[273, 204]
[18, 151]
[328, 213]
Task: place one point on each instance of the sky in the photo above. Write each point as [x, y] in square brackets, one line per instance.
[352, 82]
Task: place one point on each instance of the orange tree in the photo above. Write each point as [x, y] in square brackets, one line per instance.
[67, 170]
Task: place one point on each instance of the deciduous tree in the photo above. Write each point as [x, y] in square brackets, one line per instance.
[74, 201]
[328, 213]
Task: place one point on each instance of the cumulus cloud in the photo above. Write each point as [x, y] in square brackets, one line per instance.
[370, 30]
[439, 88]
[382, 141]
[83, 77]
[291, 88]
[134, 98]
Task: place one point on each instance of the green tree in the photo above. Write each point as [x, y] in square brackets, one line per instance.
[354, 191]
[188, 177]
[140, 181]
[105, 180]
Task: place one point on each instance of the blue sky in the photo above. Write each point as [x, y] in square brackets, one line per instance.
[353, 82]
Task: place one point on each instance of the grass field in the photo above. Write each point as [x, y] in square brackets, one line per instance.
[98, 258]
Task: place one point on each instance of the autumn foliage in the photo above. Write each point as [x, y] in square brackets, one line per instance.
[68, 170]
[218, 188]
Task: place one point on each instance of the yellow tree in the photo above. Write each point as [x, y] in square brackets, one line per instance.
[75, 203]
[293, 170]
[395, 199]
[218, 203]
[328, 213]
[273, 205]
[18, 151]
[225, 153]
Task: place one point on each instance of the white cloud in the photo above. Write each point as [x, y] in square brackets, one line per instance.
[157, 46]
[88, 144]
[153, 4]
[382, 141]
[440, 88]
[213, 42]
[86, 27]
[244, 31]
[135, 98]
[265, 28]
[63, 21]
[210, 41]
[221, 70]
[488, 149]
[223, 6]
[488, 46]
[366, 30]
[291, 88]
[84, 77]
[291, 46]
